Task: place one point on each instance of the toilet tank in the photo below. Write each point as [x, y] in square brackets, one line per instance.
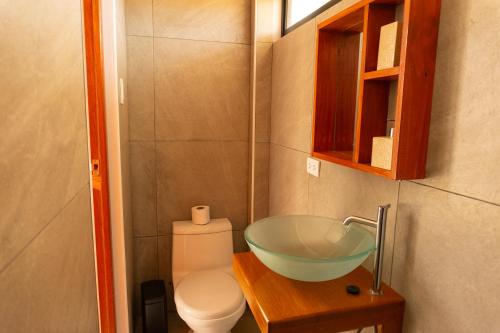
[201, 247]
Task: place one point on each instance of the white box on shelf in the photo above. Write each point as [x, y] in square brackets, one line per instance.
[382, 152]
[389, 45]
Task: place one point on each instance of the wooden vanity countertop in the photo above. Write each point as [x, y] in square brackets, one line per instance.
[280, 304]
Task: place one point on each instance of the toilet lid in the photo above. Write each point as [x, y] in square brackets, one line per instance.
[208, 295]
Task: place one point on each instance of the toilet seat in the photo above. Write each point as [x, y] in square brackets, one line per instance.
[208, 295]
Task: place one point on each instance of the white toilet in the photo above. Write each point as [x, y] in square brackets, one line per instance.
[207, 296]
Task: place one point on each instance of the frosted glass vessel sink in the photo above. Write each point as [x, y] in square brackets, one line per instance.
[309, 248]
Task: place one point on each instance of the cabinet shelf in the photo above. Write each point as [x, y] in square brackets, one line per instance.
[352, 97]
[382, 74]
[345, 159]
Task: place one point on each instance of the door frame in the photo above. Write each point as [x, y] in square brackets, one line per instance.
[98, 162]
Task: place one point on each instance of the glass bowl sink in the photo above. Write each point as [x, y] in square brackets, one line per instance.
[309, 248]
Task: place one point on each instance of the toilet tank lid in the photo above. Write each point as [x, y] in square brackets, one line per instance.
[189, 228]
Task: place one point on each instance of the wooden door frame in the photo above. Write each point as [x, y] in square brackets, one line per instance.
[99, 164]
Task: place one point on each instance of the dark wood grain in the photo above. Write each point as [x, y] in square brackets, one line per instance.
[376, 16]
[372, 118]
[333, 112]
[336, 86]
[415, 88]
[382, 74]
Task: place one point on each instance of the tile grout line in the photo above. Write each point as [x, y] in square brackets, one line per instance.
[188, 39]
[36, 235]
[269, 136]
[144, 236]
[290, 148]
[455, 193]
[410, 181]
[169, 234]
[191, 140]
[154, 145]
[394, 234]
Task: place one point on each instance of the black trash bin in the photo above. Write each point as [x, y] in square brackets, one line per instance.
[154, 307]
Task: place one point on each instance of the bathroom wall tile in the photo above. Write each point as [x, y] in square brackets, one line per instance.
[57, 294]
[143, 189]
[38, 124]
[340, 192]
[145, 265]
[293, 88]
[140, 87]
[463, 154]
[165, 267]
[176, 324]
[246, 324]
[165, 258]
[445, 262]
[202, 90]
[139, 17]
[267, 20]
[261, 185]
[263, 92]
[16, 83]
[170, 298]
[193, 173]
[239, 243]
[288, 181]
[212, 20]
[334, 10]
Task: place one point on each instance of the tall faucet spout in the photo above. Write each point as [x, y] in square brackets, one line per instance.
[360, 220]
[379, 226]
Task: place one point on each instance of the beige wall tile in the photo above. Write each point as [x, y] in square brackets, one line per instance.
[43, 154]
[202, 90]
[140, 87]
[194, 173]
[267, 20]
[239, 243]
[463, 151]
[143, 189]
[212, 20]
[139, 17]
[261, 186]
[334, 10]
[288, 181]
[50, 287]
[170, 298]
[246, 324]
[293, 88]
[145, 265]
[165, 257]
[202, 93]
[446, 261]
[263, 91]
[340, 192]
[165, 268]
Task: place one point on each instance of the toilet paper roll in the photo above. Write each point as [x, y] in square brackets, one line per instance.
[200, 214]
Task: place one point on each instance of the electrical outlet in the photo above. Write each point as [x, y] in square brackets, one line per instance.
[313, 167]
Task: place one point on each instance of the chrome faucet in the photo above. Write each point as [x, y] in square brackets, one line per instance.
[379, 225]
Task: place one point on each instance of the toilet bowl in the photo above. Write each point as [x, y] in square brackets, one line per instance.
[209, 301]
[206, 294]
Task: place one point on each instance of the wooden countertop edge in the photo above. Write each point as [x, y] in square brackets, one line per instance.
[257, 312]
[340, 319]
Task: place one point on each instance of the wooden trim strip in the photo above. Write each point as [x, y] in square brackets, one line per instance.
[98, 154]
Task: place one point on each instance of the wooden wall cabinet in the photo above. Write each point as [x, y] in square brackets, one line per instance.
[353, 98]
